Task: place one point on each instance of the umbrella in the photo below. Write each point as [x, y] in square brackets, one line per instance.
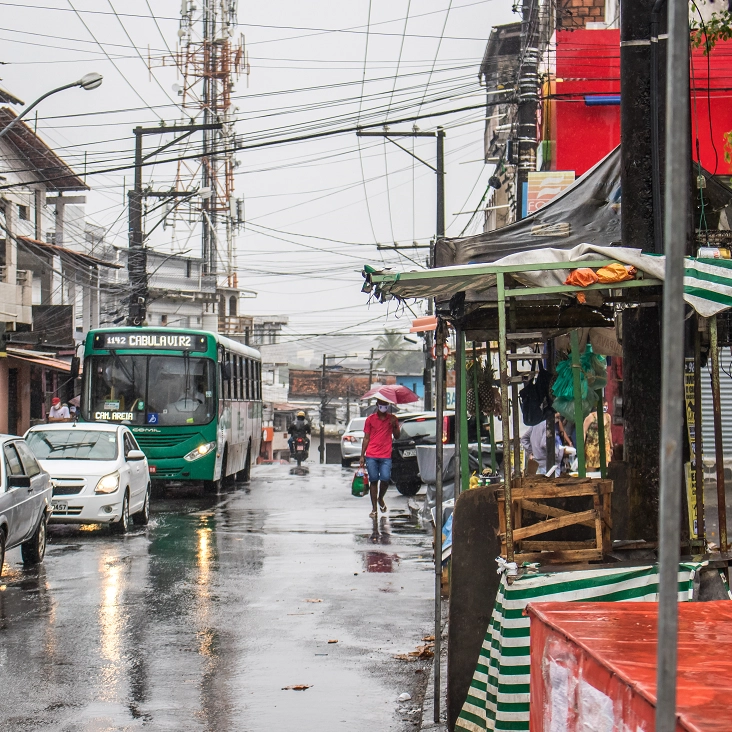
[393, 393]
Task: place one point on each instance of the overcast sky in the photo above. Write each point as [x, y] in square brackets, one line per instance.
[314, 209]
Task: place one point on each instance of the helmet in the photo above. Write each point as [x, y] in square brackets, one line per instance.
[300, 414]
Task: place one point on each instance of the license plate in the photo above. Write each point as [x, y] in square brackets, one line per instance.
[409, 453]
[58, 506]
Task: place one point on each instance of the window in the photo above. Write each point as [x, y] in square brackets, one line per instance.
[237, 377]
[29, 461]
[128, 444]
[23, 212]
[162, 390]
[189, 268]
[248, 377]
[259, 380]
[14, 466]
[163, 320]
[241, 380]
[74, 444]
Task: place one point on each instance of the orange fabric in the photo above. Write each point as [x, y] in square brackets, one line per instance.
[581, 277]
[615, 273]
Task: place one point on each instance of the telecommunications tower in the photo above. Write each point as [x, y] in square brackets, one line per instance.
[210, 58]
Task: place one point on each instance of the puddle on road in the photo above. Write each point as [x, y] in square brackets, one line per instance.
[380, 562]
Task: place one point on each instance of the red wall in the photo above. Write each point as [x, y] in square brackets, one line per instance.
[588, 62]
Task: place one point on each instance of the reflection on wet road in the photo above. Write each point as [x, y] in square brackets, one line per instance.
[198, 621]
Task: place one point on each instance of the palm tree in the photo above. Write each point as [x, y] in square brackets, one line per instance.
[397, 356]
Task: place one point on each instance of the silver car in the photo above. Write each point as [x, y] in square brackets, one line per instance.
[25, 501]
[351, 441]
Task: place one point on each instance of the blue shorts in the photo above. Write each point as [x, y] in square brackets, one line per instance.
[379, 469]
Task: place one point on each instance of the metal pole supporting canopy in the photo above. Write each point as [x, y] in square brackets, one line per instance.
[676, 226]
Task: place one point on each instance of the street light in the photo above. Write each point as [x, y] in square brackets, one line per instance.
[88, 82]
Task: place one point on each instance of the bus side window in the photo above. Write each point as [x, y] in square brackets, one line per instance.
[245, 379]
[227, 384]
[258, 380]
[242, 378]
[235, 377]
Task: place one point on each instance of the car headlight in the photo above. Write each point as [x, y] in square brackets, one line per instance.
[200, 451]
[108, 484]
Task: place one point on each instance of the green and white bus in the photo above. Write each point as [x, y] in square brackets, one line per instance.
[193, 399]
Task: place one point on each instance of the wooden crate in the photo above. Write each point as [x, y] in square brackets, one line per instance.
[529, 494]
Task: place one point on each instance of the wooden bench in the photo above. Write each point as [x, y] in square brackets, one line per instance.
[529, 495]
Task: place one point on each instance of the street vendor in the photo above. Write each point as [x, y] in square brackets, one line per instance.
[534, 443]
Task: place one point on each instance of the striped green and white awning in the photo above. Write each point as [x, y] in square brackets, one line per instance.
[498, 698]
[707, 282]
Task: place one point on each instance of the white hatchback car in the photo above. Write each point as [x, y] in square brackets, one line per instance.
[98, 473]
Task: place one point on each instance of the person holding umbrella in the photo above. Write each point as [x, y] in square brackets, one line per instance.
[379, 430]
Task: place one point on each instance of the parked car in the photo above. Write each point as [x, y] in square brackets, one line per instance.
[98, 473]
[420, 429]
[351, 441]
[25, 500]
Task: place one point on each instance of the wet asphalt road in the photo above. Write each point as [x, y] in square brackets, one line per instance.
[198, 620]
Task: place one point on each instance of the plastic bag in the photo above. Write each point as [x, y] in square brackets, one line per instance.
[360, 484]
[593, 377]
[615, 273]
[581, 277]
[536, 403]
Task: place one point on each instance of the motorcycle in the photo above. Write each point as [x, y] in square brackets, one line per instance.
[300, 450]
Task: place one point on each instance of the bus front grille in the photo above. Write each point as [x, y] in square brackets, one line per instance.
[165, 440]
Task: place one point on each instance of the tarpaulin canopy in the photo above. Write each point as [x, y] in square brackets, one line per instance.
[707, 282]
[587, 211]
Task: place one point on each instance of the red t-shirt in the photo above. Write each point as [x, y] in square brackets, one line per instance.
[380, 431]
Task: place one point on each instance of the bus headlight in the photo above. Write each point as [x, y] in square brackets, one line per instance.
[108, 484]
[200, 451]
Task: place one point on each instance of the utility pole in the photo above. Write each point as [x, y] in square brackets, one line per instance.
[641, 328]
[321, 449]
[371, 368]
[528, 99]
[137, 255]
[439, 169]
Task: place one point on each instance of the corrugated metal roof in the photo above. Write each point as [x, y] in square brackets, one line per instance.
[40, 159]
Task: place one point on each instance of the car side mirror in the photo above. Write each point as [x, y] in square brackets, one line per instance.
[135, 455]
[341, 432]
[19, 481]
[75, 367]
[226, 371]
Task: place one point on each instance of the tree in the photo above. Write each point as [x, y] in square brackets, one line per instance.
[396, 355]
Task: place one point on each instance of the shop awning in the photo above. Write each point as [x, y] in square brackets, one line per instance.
[40, 359]
[707, 282]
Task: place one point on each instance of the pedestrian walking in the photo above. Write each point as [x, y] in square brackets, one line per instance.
[379, 430]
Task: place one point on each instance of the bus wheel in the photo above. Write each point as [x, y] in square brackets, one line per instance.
[244, 475]
[227, 481]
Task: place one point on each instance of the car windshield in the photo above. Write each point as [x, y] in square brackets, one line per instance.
[357, 425]
[421, 427]
[73, 444]
[160, 390]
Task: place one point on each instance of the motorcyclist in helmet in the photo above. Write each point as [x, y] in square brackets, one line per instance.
[299, 428]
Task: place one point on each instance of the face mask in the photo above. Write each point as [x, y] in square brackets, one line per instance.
[383, 408]
[301, 419]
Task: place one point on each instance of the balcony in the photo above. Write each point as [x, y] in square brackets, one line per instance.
[16, 299]
[235, 324]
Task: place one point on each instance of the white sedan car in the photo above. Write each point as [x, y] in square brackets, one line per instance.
[98, 473]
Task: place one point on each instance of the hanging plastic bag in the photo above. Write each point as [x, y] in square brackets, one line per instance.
[593, 377]
[360, 484]
[536, 402]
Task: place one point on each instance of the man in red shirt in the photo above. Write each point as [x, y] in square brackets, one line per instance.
[378, 431]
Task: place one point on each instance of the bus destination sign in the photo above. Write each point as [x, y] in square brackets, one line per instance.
[151, 340]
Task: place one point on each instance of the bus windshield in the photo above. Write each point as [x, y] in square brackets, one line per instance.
[160, 390]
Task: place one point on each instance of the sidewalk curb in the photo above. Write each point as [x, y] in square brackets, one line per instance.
[428, 722]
